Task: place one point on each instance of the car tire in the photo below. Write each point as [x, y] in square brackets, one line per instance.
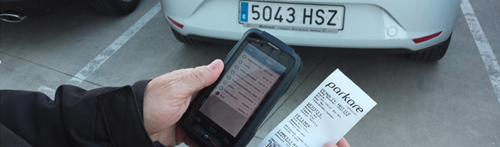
[433, 53]
[188, 40]
[115, 7]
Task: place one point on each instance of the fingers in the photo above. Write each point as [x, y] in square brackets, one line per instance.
[181, 137]
[184, 83]
[343, 143]
[189, 142]
[330, 144]
[209, 73]
[202, 76]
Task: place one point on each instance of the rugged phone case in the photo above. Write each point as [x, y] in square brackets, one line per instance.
[280, 90]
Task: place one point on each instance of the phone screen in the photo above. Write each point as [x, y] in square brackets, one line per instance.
[241, 89]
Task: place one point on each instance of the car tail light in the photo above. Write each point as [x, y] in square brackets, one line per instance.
[419, 40]
[175, 23]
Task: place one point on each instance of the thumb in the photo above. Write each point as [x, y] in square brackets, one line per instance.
[330, 144]
[203, 76]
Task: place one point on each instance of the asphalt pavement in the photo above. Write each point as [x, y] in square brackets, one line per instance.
[434, 104]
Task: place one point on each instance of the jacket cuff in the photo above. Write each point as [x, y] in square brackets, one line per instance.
[122, 117]
[139, 89]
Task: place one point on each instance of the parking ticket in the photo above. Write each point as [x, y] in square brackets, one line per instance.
[326, 115]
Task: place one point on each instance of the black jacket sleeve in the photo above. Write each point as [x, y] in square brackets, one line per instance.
[99, 117]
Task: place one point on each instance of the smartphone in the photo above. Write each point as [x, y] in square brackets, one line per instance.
[258, 71]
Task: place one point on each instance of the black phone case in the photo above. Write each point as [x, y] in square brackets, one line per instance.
[281, 89]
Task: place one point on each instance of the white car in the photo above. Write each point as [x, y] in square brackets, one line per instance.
[421, 28]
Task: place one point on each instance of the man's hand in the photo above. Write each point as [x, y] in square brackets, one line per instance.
[342, 143]
[167, 97]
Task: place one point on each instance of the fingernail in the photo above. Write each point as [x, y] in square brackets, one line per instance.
[215, 65]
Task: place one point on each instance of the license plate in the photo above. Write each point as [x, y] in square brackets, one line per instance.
[299, 17]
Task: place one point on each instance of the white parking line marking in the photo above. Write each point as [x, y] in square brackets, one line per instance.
[47, 91]
[111, 49]
[489, 59]
[115, 46]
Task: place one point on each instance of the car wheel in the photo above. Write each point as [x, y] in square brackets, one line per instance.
[115, 7]
[188, 40]
[433, 53]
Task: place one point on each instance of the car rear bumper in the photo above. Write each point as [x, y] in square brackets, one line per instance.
[365, 26]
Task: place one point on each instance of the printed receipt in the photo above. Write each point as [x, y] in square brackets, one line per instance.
[326, 115]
